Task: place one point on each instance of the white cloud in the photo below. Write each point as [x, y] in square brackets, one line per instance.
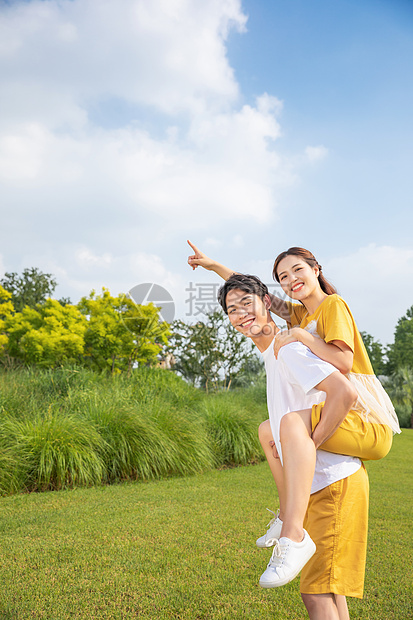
[165, 53]
[376, 281]
[149, 268]
[237, 241]
[316, 153]
[2, 269]
[86, 259]
[116, 272]
[213, 243]
[62, 59]
[225, 168]
[88, 198]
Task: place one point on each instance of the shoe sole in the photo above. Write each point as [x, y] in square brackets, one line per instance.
[283, 582]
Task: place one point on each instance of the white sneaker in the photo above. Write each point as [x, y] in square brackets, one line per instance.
[287, 560]
[273, 533]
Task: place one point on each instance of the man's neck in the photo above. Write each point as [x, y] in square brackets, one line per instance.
[263, 340]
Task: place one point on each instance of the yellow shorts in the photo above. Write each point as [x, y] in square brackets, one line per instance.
[337, 520]
[355, 437]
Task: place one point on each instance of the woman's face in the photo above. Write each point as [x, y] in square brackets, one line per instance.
[297, 278]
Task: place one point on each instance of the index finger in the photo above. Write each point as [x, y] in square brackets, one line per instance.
[195, 249]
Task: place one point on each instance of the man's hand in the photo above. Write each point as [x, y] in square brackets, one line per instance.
[274, 449]
[199, 259]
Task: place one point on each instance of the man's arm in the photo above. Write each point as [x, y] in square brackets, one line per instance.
[341, 395]
[199, 259]
[280, 308]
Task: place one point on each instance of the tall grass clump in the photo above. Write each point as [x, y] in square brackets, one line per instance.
[27, 392]
[148, 442]
[233, 431]
[148, 385]
[10, 474]
[54, 451]
[74, 427]
[185, 431]
[132, 448]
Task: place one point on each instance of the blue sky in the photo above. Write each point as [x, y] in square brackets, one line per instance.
[127, 127]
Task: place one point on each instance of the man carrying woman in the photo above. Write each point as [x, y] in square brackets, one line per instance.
[336, 518]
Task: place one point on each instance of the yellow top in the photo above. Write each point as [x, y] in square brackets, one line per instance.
[333, 321]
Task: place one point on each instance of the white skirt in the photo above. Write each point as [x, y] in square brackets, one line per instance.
[373, 402]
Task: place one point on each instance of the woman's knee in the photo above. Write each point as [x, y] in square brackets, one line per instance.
[346, 393]
[288, 422]
[349, 394]
[295, 424]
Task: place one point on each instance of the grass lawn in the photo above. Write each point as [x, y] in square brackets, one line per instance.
[184, 548]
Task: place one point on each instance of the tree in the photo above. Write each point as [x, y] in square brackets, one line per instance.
[121, 333]
[194, 353]
[29, 289]
[48, 335]
[400, 353]
[375, 352]
[6, 311]
[400, 389]
[209, 354]
[252, 372]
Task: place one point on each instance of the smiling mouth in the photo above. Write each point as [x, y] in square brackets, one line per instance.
[247, 323]
[297, 287]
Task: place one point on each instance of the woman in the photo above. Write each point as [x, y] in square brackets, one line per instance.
[323, 322]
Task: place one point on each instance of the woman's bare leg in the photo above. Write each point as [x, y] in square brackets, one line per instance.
[299, 454]
[267, 442]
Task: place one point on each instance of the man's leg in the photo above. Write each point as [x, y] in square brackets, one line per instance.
[321, 606]
[326, 606]
[336, 520]
[341, 603]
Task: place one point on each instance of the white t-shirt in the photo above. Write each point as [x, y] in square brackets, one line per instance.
[291, 381]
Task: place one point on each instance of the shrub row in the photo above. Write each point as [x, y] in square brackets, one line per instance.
[71, 427]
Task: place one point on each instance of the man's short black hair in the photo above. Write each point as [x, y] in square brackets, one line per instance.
[246, 283]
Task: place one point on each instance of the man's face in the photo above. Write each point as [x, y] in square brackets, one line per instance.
[247, 312]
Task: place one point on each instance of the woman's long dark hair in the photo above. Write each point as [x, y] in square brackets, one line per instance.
[311, 260]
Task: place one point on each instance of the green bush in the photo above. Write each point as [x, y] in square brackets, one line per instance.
[404, 415]
[73, 427]
[54, 451]
[233, 431]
